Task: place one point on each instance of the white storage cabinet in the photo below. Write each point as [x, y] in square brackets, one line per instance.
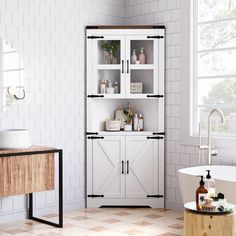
[125, 168]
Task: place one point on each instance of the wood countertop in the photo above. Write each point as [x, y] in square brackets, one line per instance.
[24, 151]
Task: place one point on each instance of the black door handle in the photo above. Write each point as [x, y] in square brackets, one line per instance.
[127, 163]
[122, 167]
[122, 68]
[127, 66]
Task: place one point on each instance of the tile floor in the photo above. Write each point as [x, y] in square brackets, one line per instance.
[105, 222]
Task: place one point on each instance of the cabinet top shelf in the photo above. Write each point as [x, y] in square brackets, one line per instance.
[125, 27]
[128, 133]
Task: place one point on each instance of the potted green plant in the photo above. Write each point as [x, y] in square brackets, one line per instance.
[111, 48]
[128, 113]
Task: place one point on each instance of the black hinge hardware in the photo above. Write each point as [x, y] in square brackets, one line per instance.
[95, 96]
[156, 196]
[96, 195]
[155, 37]
[155, 96]
[95, 37]
[155, 137]
[158, 133]
[95, 137]
[91, 133]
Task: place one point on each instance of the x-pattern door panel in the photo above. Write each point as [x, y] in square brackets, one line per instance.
[142, 177]
[107, 167]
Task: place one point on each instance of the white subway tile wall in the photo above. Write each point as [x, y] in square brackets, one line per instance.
[50, 36]
[177, 156]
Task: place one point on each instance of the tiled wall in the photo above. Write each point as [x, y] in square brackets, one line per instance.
[50, 36]
[177, 156]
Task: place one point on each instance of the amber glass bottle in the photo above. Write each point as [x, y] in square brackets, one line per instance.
[201, 194]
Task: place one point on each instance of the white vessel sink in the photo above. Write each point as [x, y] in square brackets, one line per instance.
[14, 138]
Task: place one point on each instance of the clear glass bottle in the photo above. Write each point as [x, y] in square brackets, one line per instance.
[140, 122]
[110, 88]
[136, 122]
[142, 57]
[102, 86]
[116, 87]
[134, 57]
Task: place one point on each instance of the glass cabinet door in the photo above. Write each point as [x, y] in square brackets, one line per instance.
[108, 66]
[142, 66]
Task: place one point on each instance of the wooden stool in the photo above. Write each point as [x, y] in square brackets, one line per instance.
[207, 224]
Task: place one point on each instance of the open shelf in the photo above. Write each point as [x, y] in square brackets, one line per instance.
[104, 109]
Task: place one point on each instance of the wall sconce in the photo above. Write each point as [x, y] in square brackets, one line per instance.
[13, 91]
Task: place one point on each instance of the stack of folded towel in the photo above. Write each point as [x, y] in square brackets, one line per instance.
[137, 87]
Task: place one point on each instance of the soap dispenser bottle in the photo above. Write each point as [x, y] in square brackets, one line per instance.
[134, 57]
[210, 185]
[201, 194]
[142, 57]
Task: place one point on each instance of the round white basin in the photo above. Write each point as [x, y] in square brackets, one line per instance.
[14, 138]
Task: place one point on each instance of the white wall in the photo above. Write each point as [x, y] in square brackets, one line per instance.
[50, 35]
[177, 156]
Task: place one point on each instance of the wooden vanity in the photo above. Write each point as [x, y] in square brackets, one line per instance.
[25, 171]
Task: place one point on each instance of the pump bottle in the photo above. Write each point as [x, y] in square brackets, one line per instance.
[210, 185]
[201, 194]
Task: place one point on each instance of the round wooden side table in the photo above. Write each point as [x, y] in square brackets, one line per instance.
[198, 223]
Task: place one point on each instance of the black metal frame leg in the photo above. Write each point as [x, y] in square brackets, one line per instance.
[31, 208]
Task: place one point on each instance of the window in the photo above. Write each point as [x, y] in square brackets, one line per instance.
[214, 64]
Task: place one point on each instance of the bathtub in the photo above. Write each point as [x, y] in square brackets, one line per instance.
[224, 176]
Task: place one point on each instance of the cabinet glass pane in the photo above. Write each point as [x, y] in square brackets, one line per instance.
[109, 51]
[141, 81]
[108, 82]
[141, 51]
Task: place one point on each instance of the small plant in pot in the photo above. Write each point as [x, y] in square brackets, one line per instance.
[111, 48]
[128, 113]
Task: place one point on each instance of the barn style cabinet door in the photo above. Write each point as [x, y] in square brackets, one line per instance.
[107, 169]
[142, 167]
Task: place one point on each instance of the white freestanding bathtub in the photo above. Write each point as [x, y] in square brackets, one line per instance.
[224, 176]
